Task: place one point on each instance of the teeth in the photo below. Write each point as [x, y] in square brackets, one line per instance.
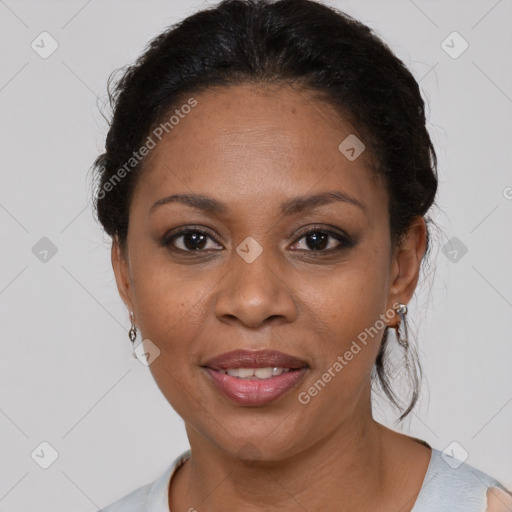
[263, 373]
[255, 373]
[245, 372]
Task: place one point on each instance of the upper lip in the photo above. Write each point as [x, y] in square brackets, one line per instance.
[254, 359]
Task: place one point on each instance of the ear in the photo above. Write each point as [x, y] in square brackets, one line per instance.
[406, 263]
[121, 266]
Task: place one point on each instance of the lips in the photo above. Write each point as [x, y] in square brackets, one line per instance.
[275, 374]
[254, 359]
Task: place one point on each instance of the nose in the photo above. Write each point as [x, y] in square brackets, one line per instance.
[255, 293]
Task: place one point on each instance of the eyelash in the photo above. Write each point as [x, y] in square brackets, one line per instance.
[345, 241]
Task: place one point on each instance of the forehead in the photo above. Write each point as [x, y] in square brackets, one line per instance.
[251, 142]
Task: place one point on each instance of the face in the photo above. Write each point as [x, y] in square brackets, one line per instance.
[255, 270]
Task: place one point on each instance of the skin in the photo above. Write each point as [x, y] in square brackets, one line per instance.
[498, 500]
[252, 147]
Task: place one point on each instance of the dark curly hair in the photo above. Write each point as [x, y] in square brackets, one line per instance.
[295, 42]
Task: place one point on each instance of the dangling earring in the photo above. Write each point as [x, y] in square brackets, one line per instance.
[132, 333]
[401, 327]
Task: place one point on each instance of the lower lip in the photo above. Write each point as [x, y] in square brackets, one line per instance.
[255, 392]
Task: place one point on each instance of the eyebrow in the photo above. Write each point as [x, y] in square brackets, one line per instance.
[288, 207]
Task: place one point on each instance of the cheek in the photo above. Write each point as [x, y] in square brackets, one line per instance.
[171, 312]
[171, 307]
[350, 299]
[169, 298]
[347, 310]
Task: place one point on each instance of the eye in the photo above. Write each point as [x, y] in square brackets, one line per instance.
[319, 240]
[189, 240]
[324, 240]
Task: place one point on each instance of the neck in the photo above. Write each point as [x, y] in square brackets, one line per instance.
[346, 467]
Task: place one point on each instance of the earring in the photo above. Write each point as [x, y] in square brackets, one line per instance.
[401, 327]
[132, 333]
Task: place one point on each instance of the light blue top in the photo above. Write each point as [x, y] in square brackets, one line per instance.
[447, 487]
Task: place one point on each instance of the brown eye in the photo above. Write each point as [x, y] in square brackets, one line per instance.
[323, 240]
[190, 240]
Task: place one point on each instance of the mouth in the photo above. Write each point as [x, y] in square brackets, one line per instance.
[266, 372]
[255, 377]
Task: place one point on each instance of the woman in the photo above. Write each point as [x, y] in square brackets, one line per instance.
[266, 183]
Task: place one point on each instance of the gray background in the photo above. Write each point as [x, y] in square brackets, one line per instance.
[67, 376]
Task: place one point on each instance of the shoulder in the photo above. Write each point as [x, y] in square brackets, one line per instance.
[454, 485]
[150, 497]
